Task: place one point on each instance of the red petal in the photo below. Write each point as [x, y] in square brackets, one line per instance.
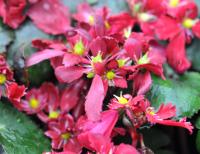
[69, 74]
[94, 99]
[176, 54]
[71, 59]
[166, 111]
[125, 149]
[142, 83]
[71, 96]
[43, 55]
[120, 82]
[12, 12]
[167, 27]
[50, 16]
[196, 29]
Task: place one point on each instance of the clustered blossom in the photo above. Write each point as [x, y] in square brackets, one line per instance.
[100, 53]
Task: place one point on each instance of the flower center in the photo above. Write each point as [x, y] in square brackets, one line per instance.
[122, 100]
[79, 48]
[188, 23]
[91, 19]
[121, 62]
[2, 78]
[145, 17]
[90, 75]
[65, 136]
[107, 25]
[174, 3]
[110, 75]
[97, 58]
[34, 103]
[143, 60]
[53, 114]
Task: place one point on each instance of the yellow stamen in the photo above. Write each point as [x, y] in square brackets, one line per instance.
[54, 114]
[110, 75]
[79, 48]
[127, 32]
[65, 136]
[34, 103]
[107, 25]
[145, 17]
[2, 78]
[90, 75]
[122, 100]
[174, 3]
[121, 62]
[97, 58]
[91, 20]
[144, 59]
[188, 23]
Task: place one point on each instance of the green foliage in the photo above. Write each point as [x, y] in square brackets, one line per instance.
[6, 36]
[184, 93]
[198, 141]
[194, 53]
[18, 134]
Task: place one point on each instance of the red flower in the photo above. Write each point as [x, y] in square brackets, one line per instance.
[12, 12]
[50, 16]
[163, 114]
[15, 93]
[35, 101]
[63, 134]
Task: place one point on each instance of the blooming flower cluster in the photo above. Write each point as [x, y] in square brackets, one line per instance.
[100, 56]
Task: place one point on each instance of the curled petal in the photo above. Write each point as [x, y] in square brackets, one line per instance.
[43, 55]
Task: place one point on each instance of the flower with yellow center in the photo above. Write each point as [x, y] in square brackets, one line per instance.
[174, 3]
[54, 114]
[79, 48]
[121, 62]
[34, 103]
[2, 78]
[65, 136]
[121, 100]
[110, 75]
[91, 19]
[188, 23]
[97, 58]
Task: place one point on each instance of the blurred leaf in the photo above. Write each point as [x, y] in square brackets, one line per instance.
[6, 36]
[197, 124]
[193, 52]
[22, 44]
[18, 134]
[40, 73]
[184, 93]
[115, 6]
[155, 138]
[198, 141]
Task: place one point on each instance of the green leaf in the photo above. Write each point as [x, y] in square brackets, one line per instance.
[198, 141]
[153, 138]
[193, 52]
[184, 93]
[22, 44]
[197, 124]
[18, 134]
[6, 36]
